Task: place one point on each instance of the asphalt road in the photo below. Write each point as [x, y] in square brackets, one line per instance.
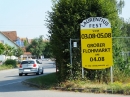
[11, 86]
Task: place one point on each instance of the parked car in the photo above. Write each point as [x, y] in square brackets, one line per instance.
[30, 66]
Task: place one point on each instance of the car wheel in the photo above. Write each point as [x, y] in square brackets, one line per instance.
[42, 71]
[20, 74]
[26, 74]
[38, 72]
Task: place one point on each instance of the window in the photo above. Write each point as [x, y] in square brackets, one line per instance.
[37, 61]
[27, 62]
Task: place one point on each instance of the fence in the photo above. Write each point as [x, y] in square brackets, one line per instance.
[121, 53]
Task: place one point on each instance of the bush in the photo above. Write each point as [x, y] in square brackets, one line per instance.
[117, 87]
[127, 89]
[11, 62]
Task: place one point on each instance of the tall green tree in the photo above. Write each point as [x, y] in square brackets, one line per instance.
[64, 23]
[36, 47]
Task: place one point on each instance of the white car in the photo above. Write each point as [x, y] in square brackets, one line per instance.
[30, 66]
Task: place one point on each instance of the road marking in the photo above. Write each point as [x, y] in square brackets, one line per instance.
[10, 83]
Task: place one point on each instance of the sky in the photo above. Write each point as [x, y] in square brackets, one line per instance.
[27, 17]
[125, 11]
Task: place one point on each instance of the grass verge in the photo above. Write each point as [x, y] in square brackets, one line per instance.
[50, 81]
[46, 81]
[4, 67]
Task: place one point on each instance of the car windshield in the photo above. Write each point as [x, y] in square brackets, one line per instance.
[27, 62]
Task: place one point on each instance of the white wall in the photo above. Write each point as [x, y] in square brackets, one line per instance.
[4, 58]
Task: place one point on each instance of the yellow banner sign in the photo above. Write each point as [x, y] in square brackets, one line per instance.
[96, 43]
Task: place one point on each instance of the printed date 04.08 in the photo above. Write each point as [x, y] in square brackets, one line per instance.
[97, 59]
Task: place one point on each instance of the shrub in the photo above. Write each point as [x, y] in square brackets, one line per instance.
[11, 62]
[127, 89]
[116, 87]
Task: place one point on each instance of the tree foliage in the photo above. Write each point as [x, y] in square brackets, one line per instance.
[47, 52]
[1, 48]
[26, 43]
[64, 23]
[9, 51]
[18, 52]
[125, 29]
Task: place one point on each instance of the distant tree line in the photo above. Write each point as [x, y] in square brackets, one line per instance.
[39, 47]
